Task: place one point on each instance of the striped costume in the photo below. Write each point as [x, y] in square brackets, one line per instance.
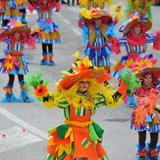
[98, 51]
[49, 31]
[10, 10]
[154, 125]
[132, 52]
[80, 135]
[19, 64]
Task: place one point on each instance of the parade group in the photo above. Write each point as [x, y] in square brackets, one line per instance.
[87, 85]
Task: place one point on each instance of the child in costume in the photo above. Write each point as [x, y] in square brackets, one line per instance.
[46, 30]
[9, 11]
[80, 93]
[146, 116]
[16, 35]
[136, 41]
[99, 34]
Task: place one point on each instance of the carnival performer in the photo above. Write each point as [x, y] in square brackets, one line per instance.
[135, 39]
[80, 93]
[16, 35]
[98, 34]
[146, 116]
[9, 10]
[46, 29]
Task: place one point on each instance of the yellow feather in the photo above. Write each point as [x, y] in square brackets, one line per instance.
[87, 62]
[76, 55]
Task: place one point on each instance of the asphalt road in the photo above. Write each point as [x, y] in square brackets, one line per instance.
[24, 126]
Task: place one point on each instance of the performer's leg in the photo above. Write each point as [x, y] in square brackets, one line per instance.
[154, 149]
[9, 96]
[142, 151]
[24, 97]
[44, 54]
[23, 16]
[51, 55]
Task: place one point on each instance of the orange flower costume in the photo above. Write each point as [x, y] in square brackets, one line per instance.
[79, 136]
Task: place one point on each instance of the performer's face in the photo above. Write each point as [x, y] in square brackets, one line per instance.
[147, 79]
[44, 2]
[98, 21]
[83, 86]
[17, 35]
[137, 29]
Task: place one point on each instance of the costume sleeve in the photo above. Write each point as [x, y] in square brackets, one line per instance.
[85, 33]
[109, 101]
[49, 102]
[122, 40]
[151, 38]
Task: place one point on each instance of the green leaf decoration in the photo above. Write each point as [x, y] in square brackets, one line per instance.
[46, 83]
[40, 99]
[61, 130]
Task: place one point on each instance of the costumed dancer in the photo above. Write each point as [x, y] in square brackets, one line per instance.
[16, 35]
[46, 30]
[9, 11]
[146, 116]
[80, 93]
[99, 34]
[136, 41]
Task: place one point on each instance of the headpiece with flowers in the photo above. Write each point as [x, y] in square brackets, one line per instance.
[16, 26]
[142, 6]
[135, 19]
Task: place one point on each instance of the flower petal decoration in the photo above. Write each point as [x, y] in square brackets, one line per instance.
[143, 61]
[9, 63]
[41, 91]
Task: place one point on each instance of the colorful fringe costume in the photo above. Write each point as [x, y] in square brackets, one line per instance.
[9, 10]
[146, 116]
[80, 136]
[22, 6]
[46, 30]
[99, 38]
[15, 62]
[135, 44]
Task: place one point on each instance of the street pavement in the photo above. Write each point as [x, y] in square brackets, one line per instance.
[24, 126]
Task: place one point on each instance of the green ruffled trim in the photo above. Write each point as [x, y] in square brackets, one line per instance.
[61, 130]
[130, 78]
[33, 79]
[130, 7]
[96, 131]
[51, 157]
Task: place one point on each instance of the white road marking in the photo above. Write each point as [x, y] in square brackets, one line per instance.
[58, 14]
[15, 138]
[66, 21]
[74, 9]
[23, 123]
[76, 31]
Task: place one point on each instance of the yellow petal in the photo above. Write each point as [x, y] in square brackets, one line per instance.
[60, 150]
[68, 132]
[68, 148]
